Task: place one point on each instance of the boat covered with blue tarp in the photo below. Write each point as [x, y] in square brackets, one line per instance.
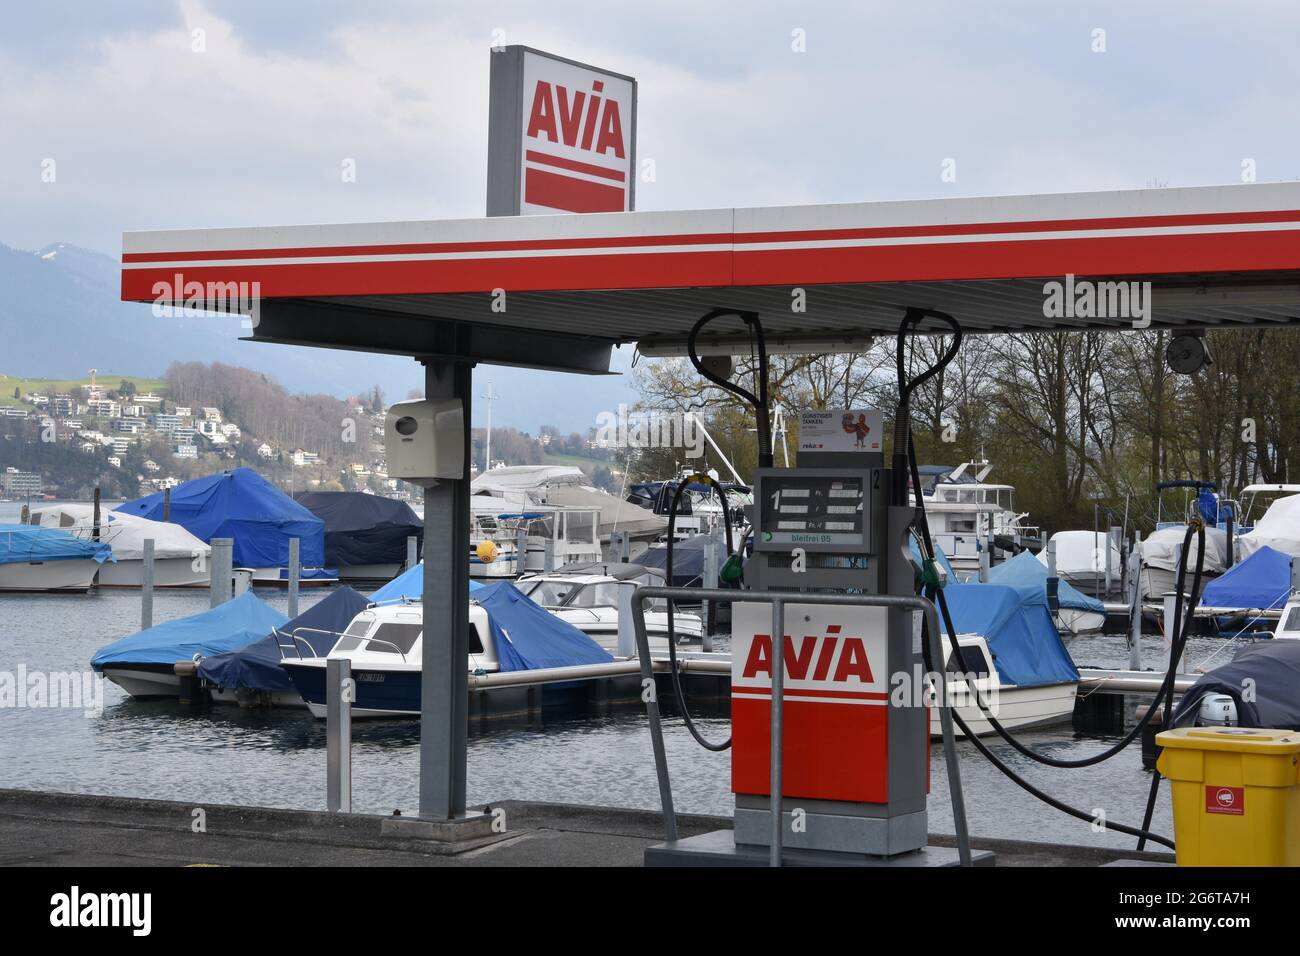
[1018, 628]
[242, 505]
[361, 528]
[1263, 580]
[144, 663]
[529, 637]
[409, 586]
[1026, 570]
[24, 543]
[256, 666]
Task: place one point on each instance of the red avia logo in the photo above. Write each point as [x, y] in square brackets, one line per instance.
[558, 116]
[1230, 800]
[829, 657]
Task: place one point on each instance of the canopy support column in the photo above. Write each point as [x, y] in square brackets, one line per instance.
[444, 690]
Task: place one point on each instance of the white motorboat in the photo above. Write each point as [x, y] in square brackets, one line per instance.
[1086, 559]
[587, 597]
[180, 559]
[1011, 705]
[1159, 554]
[966, 513]
[570, 534]
[48, 559]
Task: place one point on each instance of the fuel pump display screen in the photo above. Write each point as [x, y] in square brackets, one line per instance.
[813, 510]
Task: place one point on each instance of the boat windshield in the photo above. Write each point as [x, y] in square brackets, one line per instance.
[357, 629]
[394, 637]
[552, 593]
[604, 594]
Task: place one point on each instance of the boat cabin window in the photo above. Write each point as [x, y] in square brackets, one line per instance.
[604, 594]
[357, 629]
[969, 659]
[1292, 622]
[475, 640]
[394, 636]
[551, 593]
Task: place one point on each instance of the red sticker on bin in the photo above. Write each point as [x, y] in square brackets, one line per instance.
[1230, 800]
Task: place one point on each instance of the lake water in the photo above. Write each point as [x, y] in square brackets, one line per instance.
[277, 758]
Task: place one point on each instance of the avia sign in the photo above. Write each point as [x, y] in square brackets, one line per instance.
[561, 136]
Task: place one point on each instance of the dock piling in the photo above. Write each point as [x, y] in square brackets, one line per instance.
[295, 573]
[412, 552]
[548, 555]
[338, 734]
[146, 586]
[1135, 605]
[709, 609]
[626, 626]
[222, 570]
[94, 527]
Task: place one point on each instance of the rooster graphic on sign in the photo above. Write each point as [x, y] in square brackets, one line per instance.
[858, 429]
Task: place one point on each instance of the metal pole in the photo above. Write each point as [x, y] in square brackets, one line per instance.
[222, 569]
[548, 555]
[295, 572]
[412, 552]
[650, 695]
[1167, 623]
[984, 565]
[167, 504]
[1135, 605]
[521, 551]
[949, 746]
[338, 735]
[94, 531]
[444, 692]
[709, 609]
[146, 586]
[624, 547]
[1110, 541]
[777, 821]
[626, 626]
[1051, 558]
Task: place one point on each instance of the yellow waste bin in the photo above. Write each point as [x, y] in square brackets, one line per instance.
[1236, 793]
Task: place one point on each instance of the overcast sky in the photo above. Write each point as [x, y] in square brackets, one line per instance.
[147, 133]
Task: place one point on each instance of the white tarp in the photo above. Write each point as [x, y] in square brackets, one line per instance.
[125, 534]
[615, 513]
[1082, 554]
[1279, 529]
[1161, 550]
[533, 480]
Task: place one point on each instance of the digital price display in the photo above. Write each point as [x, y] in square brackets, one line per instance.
[802, 510]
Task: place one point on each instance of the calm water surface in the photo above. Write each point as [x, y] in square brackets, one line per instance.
[277, 758]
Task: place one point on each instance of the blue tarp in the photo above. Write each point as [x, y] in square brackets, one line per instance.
[409, 584]
[361, 528]
[529, 637]
[224, 628]
[1263, 580]
[24, 542]
[1025, 569]
[257, 665]
[1270, 668]
[688, 560]
[243, 505]
[1018, 627]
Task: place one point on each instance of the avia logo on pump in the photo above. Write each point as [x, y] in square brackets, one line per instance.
[830, 656]
[578, 138]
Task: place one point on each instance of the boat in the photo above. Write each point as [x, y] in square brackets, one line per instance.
[1260, 582]
[1259, 687]
[180, 559]
[365, 534]
[570, 534]
[251, 675]
[586, 596]
[1074, 612]
[1082, 559]
[144, 663]
[1278, 528]
[700, 508]
[48, 559]
[260, 518]
[384, 645]
[1159, 556]
[967, 514]
[1009, 647]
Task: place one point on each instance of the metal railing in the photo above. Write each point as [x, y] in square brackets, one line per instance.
[778, 600]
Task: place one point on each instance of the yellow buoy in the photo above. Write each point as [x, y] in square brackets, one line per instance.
[487, 551]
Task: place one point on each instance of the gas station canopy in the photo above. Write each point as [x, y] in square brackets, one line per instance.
[560, 291]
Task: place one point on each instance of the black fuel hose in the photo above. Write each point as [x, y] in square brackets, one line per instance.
[672, 634]
[758, 402]
[904, 456]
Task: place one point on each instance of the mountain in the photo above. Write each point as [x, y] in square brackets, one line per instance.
[61, 314]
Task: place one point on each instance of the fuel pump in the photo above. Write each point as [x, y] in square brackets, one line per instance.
[852, 779]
